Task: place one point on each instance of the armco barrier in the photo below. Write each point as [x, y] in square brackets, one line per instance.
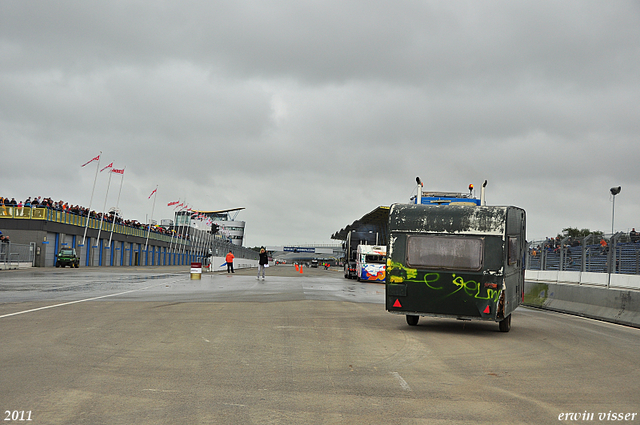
[586, 294]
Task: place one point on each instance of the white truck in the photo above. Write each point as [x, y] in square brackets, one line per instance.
[371, 261]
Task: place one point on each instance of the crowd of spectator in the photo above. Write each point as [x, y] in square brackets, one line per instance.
[555, 244]
[110, 217]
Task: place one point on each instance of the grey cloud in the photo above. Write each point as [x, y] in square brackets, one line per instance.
[311, 114]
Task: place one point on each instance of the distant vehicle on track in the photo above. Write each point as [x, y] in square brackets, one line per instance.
[370, 263]
[67, 257]
[350, 245]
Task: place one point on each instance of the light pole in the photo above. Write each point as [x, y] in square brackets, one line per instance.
[614, 192]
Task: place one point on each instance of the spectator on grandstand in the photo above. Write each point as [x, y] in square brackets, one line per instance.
[40, 202]
[603, 246]
[635, 236]
[3, 238]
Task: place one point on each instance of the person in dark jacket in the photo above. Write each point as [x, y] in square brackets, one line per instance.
[263, 262]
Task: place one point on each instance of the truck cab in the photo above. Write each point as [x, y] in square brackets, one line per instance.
[371, 262]
[350, 246]
[455, 261]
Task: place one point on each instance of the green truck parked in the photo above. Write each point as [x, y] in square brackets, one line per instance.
[67, 257]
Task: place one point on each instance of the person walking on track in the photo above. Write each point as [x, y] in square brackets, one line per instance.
[263, 263]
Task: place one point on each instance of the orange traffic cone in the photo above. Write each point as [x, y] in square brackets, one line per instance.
[296, 267]
[300, 268]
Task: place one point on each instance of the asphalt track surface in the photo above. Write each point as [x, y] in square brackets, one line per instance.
[152, 346]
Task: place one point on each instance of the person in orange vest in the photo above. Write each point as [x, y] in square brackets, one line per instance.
[229, 259]
[603, 246]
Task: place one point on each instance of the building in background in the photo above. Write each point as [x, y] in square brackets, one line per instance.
[228, 227]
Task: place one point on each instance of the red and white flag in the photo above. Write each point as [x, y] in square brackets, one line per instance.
[113, 170]
[172, 203]
[108, 166]
[154, 191]
[89, 162]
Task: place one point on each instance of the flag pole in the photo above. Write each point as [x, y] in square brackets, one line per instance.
[181, 248]
[173, 233]
[86, 224]
[117, 205]
[146, 244]
[105, 205]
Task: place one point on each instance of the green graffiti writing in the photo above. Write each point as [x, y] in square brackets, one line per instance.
[430, 278]
[398, 273]
[473, 289]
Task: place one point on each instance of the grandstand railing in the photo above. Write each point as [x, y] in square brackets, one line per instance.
[48, 214]
[620, 255]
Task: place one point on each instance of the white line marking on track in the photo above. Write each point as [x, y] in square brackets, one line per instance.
[403, 383]
[78, 301]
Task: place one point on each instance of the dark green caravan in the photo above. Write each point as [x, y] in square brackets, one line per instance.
[455, 261]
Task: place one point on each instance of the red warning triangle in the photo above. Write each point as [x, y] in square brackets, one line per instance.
[487, 310]
[397, 303]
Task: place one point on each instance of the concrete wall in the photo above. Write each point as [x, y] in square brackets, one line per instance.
[586, 294]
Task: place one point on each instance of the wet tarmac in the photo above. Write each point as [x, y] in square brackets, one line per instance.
[152, 346]
[282, 283]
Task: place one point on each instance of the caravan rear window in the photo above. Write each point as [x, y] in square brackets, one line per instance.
[445, 252]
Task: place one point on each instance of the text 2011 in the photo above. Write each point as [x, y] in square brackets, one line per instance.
[17, 415]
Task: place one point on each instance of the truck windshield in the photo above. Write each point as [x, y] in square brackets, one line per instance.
[445, 252]
[66, 252]
[376, 259]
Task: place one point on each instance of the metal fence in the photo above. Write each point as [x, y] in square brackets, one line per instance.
[12, 255]
[618, 254]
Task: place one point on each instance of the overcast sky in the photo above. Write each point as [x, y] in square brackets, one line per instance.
[310, 114]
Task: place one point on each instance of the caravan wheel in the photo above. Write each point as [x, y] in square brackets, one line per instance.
[505, 324]
[412, 320]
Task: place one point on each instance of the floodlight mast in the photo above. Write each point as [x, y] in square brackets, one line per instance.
[614, 191]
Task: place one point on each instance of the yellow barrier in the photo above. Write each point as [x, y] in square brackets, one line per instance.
[38, 213]
[6, 212]
[22, 212]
